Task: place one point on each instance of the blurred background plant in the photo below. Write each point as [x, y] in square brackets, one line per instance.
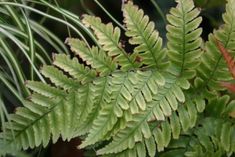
[32, 30]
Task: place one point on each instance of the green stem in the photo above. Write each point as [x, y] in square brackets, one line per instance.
[159, 10]
[110, 16]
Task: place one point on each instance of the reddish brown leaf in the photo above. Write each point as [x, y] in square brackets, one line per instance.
[229, 86]
[227, 56]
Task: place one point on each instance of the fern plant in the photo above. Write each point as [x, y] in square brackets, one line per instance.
[154, 101]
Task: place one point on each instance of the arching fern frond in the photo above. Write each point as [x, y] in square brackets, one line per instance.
[143, 34]
[129, 92]
[137, 129]
[160, 135]
[183, 36]
[51, 113]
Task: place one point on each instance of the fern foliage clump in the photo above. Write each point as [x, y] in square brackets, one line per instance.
[152, 101]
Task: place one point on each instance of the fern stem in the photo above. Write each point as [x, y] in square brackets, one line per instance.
[159, 10]
[110, 16]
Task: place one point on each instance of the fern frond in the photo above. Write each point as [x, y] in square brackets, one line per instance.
[94, 57]
[112, 110]
[86, 95]
[46, 117]
[27, 125]
[213, 68]
[141, 127]
[129, 91]
[75, 69]
[215, 137]
[109, 37]
[183, 36]
[50, 115]
[212, 136]
[138, 128]
[102, 96]
[143, 34]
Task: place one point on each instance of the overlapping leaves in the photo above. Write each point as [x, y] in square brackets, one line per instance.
[132, 101]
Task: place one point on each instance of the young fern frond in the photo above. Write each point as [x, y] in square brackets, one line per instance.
[184, 41]
[142, 33]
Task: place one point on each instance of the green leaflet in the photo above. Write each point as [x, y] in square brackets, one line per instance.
[58, 78]
[44, 89]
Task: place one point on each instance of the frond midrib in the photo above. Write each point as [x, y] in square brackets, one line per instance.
[141, 33]
[98, 104]
[184, 41]
[146, 115]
